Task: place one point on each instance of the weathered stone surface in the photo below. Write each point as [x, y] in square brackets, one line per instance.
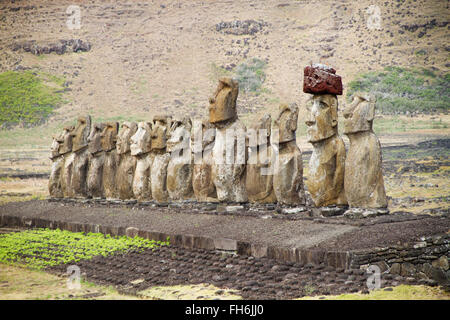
[81, 157]
[108, 141]
[259, 176]
[140, 148]
[96, 161]
[54, 181]
[223, 104]
[320, 79]
[229, 162]
[158, 175]
[180, 167]
[229, 151]
[442, 263]
[127, 162]
[288, 164]
[363, 182]
[202, 183]
[326, 166]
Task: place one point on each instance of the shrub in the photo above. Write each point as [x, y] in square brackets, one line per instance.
[401, 89]
[27, 97]
[251, 75]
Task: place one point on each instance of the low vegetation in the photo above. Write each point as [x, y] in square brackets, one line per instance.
[402, 90]
[41, 248]
[251, 75]
[28, 97]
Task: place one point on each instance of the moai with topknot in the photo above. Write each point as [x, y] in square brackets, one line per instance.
[259, 175]
[229, 152]
[80, 135]
[158, 175]
[140, 148]
[202, 142]
[180, 167]
[96, 161]
[288, 163]
[108, 141]
[363, 182]
[326, 166]
[126, 162]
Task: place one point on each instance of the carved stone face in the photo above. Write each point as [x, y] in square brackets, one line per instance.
[55, 146]
[359, 114]
[94, 139]
[179, 135]
[127, 130]
[160, 130]
[81, 133]
[223, 105]
[141, 140]
[286, 123]
[65, 141]
[256, 135]
[321, 117]
[109, 136]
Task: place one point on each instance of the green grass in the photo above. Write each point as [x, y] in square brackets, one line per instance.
[28, 97]
[41, 248]
[251, 75]
[403, 89]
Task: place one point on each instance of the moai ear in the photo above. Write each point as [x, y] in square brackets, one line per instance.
[372, 103]
[294, 117]
[334, 109]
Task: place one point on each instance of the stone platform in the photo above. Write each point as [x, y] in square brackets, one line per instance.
[300, 235]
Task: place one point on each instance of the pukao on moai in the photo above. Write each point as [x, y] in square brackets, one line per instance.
[229, 152]
[158, 174]
[126, 162]
[65, 149]
[81, 157]
[108, 141]
[54, 181]
[363, 182]
[140, 148]
[326, 166]
[259, 175]
[288, 164]
[96, 160]
[180, 167]
[202, 142]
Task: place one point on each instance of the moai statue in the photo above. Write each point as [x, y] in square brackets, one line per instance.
[81, 157]
[202, 142]
[229, 152]
[140, 148]
[259, 175]
[126, 162]
[326, 166]
[288, 172]
[68, 157]
[96, 161]
[158, 180]
[363, 182]
[108, 141]
[180, 167]
[54, 181]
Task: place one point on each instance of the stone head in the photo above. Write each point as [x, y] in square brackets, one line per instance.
[127, 130]
[94, 139]
[222, 106]
[179, 134]
[359, 114]
[141, 140]
[109, 136]
[286, 122]
[259, 133]
[322, 117]
[160, 130]
[65, 140]
[81, 132]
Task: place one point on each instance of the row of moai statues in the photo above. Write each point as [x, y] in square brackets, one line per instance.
[220, 160]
